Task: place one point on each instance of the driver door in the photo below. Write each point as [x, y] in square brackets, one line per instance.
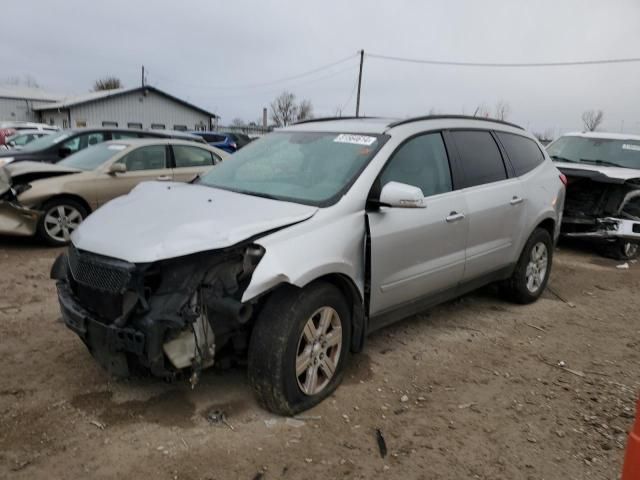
[143, 164]
[417, 252]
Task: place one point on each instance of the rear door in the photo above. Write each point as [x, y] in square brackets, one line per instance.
[495, 201]
[191, 161]
[417, 252]
[143, 164]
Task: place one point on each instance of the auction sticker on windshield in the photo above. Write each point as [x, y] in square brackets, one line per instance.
[355, 139]
[631, 146]
[117, 147]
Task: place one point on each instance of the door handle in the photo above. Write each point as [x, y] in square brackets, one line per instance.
[163, 178]
[454, 217]
[516, 200]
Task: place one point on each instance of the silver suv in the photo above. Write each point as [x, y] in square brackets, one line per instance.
[295, 248]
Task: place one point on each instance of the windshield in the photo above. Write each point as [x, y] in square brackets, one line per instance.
[92, 157]
[19, 139]
[303, 167]
[596, 151]
[45, 142]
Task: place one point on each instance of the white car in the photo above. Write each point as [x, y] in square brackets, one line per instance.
[603, 191]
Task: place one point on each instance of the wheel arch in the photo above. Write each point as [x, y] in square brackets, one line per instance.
[69, 196]
[350, 291]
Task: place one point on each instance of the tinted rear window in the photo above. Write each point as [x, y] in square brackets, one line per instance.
[523, 152]
[213, 138]
[480, 157]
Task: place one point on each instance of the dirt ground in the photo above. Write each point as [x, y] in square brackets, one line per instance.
[471, 390]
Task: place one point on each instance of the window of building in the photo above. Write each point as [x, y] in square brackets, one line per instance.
[191, 156]
[180, 128]
[524, 153]
[134, 125]
[65, 123]
[158, 126]
[421, 162]
[109, 124]
[480, 157]
[81, 123]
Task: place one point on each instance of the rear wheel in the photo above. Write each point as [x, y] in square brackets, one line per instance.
[299, 347]
[531, 274]
[60, 218]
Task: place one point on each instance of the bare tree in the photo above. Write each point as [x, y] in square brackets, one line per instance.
[481, 111]
[26, 81]
[592, 119]
[285, 110]
[544, 137]
[502, 110]
[237, 122]
[434, 111]
[305, 111]
[107, 83]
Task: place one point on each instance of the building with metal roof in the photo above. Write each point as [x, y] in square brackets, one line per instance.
[139, 107]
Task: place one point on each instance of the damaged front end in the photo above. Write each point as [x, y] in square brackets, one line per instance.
[15, 218]
[167, 317]
[601, 208]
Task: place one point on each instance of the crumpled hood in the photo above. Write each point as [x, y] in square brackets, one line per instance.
[617, 173]
[26, 172]
[160, 220]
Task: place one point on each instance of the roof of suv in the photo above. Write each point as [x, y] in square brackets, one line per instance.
[378, 125]
[603, 135]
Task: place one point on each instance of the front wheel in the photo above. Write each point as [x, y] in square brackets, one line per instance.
[60, 218]
[531, 274]
[621, 249]
[299, 347]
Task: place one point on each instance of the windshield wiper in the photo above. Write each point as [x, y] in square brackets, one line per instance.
[601, 162]
[563, 159]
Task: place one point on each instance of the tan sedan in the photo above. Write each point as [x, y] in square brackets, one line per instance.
[51, 200]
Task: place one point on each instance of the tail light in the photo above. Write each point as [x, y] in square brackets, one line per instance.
[233, 145]
[563, 179]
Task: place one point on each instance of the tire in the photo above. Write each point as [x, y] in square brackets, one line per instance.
[72, 213]
[280, 338]
[621, 250]
[519, 288]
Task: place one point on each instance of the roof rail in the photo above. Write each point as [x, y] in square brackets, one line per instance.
[329, 119]
[444, 117]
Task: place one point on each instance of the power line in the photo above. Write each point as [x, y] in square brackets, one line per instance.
[503, 65]
[264, 84]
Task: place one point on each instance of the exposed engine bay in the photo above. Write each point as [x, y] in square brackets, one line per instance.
[164, 317]
[600, 207]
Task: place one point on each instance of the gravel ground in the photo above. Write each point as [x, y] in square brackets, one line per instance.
[472, 389]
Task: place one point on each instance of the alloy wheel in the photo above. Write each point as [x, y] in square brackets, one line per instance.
[60, 221]
[537, 267]
[318, 352]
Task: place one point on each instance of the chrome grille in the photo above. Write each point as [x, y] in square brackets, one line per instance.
[99, 272]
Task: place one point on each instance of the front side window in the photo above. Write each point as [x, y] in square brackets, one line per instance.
[480, 157]
[421, 162]
[152, 157]
[92, 158]
[596, 151]
[191, 156]
[523, 152]
[305, 167]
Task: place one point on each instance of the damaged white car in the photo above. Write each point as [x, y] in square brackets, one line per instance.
[305, 241]
[603, 190]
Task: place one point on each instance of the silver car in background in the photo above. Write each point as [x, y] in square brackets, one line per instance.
[305, 241]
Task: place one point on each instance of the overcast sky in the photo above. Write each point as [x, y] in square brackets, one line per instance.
[217, 54]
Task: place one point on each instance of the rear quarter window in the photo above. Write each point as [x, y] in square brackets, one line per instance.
[480, 157]
[523, 152]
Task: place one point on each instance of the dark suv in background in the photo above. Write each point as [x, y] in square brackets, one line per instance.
[55, 147]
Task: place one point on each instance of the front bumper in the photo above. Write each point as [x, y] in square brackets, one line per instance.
[107, 343]
[611, 228]
[16, 219]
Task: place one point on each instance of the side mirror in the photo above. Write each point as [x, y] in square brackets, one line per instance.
[401, 195]
[116, 168]
[64, 152]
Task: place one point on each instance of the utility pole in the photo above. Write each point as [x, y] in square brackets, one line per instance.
[143, 75]
[359, 83]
